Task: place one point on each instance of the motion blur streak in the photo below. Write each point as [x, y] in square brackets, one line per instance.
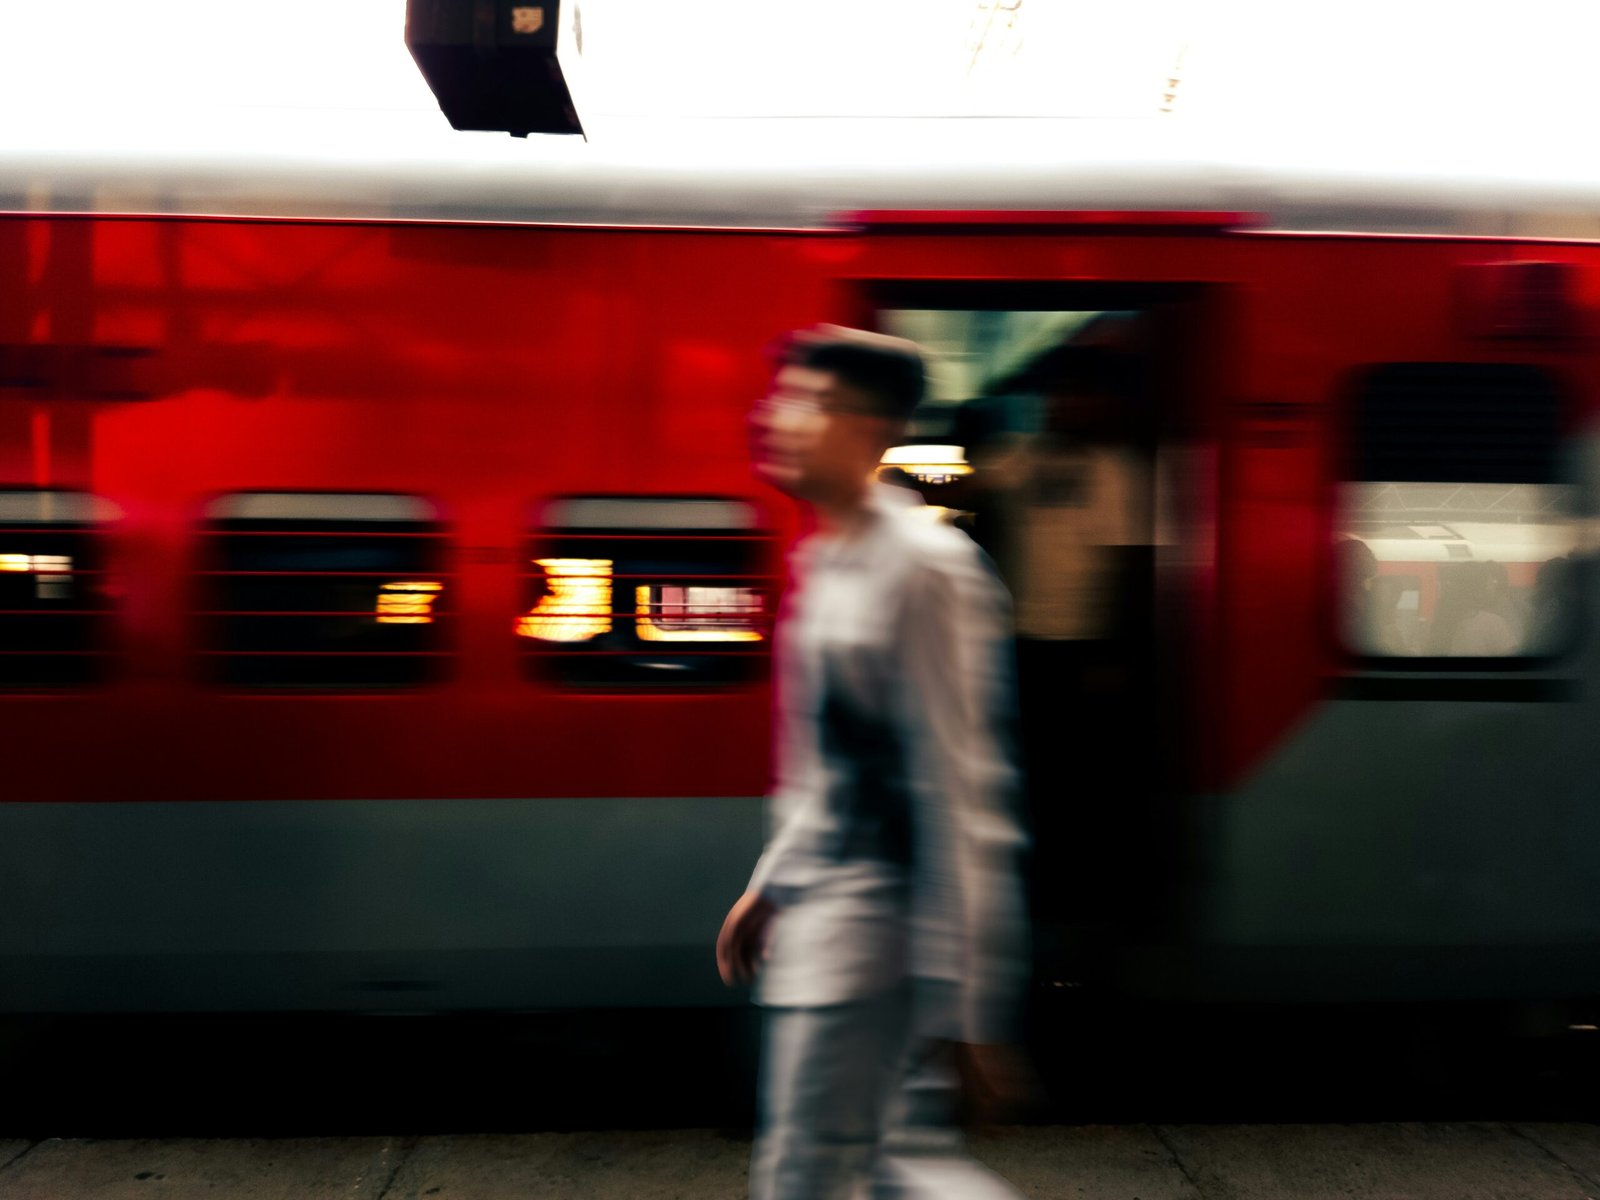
[578, 605]
[696, 614]
[409, 602]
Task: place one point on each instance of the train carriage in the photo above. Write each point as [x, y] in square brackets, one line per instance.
[388, 599]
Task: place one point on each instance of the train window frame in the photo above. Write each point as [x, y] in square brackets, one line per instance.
[36, 527]
[290, 514]
[571, 530]
[1546, 466]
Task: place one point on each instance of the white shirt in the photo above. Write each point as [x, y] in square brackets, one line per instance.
[894, 843]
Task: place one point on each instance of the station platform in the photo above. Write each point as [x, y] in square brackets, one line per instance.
[1417, 1161]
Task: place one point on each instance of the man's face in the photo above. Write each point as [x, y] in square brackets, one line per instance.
[814, 436]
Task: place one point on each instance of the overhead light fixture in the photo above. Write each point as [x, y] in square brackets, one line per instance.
[500, 65]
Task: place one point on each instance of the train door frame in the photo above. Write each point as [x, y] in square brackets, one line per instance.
[1154, 871]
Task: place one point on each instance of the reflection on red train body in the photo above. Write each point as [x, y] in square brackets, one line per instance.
[327, 511]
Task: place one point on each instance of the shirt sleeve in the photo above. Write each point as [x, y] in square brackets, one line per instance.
[786, 865]
[795, 809]
[958, 695]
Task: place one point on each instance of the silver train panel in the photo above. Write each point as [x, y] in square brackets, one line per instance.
[787, 174]
[1412, 849]
[377, 905]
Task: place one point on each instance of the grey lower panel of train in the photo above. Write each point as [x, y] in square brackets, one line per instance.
[1388, 850]
[1409, 849]
[378, 905]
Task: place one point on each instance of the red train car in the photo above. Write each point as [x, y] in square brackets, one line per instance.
[305, 524]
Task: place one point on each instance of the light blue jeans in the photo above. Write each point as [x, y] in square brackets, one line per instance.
[853, 1096]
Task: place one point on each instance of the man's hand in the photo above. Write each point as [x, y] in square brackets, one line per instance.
[996, 1083]
[742, 944]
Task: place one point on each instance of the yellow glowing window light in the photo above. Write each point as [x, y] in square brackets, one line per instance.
[35, 562]
[577, 605]
[407, 602]
[697, 614]
[928, 464]
[54, 572]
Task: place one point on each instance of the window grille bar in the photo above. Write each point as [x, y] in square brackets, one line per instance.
[394, 575]
[352, 535]
[324, 653]
[57, 612]
[677, 650]
[331, 612]
[602, 535]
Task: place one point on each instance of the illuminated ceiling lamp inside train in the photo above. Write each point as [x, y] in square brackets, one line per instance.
[500, 65]
[927, 464]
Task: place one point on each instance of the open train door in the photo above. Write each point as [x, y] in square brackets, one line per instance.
[1075, 361]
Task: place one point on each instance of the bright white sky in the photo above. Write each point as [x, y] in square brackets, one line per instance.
[1387, 83]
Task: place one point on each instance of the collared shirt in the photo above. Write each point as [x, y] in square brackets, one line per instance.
[894, 837]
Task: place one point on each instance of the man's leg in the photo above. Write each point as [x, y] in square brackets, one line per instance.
[825, 1075]
[924, 1154]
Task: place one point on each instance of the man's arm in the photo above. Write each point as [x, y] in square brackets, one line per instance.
[743, 938]
[795, 817]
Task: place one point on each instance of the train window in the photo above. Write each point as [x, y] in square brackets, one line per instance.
[647, 592]
[1454, 539]
[323, 590]
[55, 595]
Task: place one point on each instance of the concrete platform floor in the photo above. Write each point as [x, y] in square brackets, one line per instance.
[1414, 1161]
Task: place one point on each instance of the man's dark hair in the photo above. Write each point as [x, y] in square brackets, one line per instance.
[887, 370]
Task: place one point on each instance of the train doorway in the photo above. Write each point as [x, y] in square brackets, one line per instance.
[1064, 433]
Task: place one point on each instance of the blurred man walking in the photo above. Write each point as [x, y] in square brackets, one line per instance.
[884, 914]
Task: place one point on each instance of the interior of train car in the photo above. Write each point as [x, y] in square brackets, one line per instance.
[1064, 429]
